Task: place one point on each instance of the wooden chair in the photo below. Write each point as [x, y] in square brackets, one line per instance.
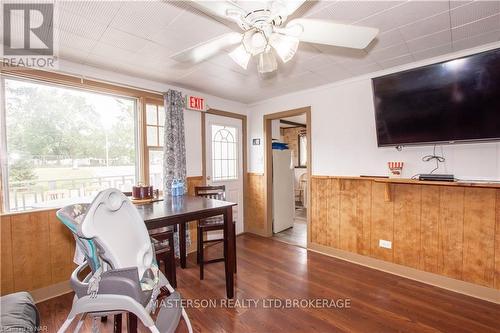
[163, 241]
[210, 224]
[301, 190]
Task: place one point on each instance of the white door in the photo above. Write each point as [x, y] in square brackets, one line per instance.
[224, 160]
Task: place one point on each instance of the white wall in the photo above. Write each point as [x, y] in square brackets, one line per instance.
[192, 119]
[344, 136]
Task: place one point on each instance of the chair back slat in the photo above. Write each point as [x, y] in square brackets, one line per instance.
[211, 192]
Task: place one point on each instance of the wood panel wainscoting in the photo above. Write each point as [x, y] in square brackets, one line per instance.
[255, 204]
[452, 230]
[36, 249]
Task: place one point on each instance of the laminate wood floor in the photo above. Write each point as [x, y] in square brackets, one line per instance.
[297, 235]
[272, 270]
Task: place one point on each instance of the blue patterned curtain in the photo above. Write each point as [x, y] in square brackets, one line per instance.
[174, 149]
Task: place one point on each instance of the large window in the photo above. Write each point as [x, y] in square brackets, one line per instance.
[64, 145]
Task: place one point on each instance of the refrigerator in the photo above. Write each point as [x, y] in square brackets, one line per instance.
[283, 190]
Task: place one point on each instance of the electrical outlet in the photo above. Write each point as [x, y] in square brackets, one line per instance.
[385, 244]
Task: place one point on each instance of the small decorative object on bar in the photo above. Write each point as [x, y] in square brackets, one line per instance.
[395, 169]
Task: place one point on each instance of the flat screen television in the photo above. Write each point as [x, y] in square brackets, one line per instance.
[452, 101]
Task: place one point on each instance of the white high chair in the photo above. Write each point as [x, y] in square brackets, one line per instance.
[124, 275]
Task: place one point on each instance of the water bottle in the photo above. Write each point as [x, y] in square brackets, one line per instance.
[180, 190]
[173, 188]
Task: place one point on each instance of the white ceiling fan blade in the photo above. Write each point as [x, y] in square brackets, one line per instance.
[225, 9]
[207, 49]
[331, 33]
[287, 7]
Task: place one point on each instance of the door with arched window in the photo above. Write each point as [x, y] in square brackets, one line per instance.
[224, 159]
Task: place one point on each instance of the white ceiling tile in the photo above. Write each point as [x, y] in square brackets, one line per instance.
[429, 41]
[221, 73]
[403, 14]
[145, 18]
[382, 21]
[122, 40]
[467, 43]
[389, 52]
[75, 55]
[413, 11]
[225, 60]
[458, 3]
[476, 28]
[153, 52]
[112, 53]
[162, 70]
[427, 26]
[171, 41]
[398, 61]
[433, 52]
[332, 73]
[80, 25]
[343, 54]
[473, 11]
[306, 81]
[71, 40]
[306, 52]
[100, 11]
[311, 7]
[213, 85]
[365, 69]
[351, 11]
[387, 39]
[317, 62]
[107, 63]
[196, 28]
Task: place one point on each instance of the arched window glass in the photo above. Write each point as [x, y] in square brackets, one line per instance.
[224, 153]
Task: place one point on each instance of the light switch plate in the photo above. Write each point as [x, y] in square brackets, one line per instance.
[385, 244]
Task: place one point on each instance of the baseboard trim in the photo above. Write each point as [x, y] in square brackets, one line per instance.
[54, 290]
[462, 287]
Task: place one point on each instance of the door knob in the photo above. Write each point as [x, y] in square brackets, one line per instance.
[208, 177]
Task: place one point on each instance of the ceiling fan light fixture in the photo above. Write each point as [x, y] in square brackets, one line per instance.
[254, 41]
[267, 62]
[240, 56]
[285, 46]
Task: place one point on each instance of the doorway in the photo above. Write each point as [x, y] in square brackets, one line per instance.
[224, 159]
[287, 174]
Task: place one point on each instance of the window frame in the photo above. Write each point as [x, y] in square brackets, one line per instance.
[147, 148]
[84, 84]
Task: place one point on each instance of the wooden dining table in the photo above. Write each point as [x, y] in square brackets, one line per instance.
[180, 210]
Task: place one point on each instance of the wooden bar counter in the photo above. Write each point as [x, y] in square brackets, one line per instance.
[447, 228]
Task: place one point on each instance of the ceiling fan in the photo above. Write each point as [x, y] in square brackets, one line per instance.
[266, 34]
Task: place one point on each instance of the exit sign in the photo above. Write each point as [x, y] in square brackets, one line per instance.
[195, 103]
